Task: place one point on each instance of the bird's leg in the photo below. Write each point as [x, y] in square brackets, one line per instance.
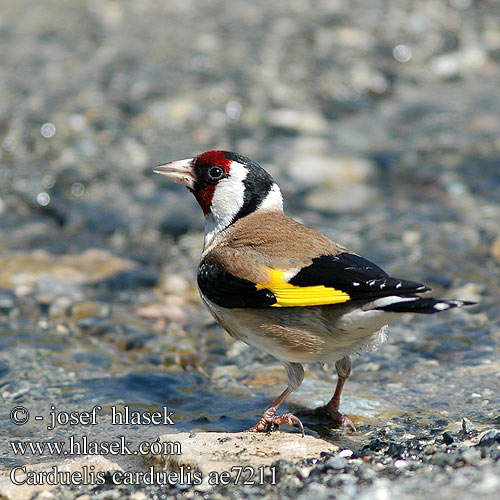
[270, 418]
[343, 367]
[332, 407]
[295, 375]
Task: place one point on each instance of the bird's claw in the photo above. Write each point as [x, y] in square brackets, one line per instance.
[270, 419]
[342, 420]
[336, 416]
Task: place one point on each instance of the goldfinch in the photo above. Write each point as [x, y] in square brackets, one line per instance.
[282, 287]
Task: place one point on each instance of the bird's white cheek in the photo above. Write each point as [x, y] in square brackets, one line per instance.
[227, 201]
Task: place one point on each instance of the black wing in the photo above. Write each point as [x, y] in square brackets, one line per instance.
[354, 275]
[329, 279]
[227, 290]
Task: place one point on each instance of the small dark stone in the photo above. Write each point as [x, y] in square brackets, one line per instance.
[108, 477]
[397, 450]
[376, 445]
[137, 342]
[448, 438]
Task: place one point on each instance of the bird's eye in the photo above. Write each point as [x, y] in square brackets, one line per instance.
[215, 173]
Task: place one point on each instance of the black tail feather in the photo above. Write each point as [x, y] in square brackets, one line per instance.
[423, 305]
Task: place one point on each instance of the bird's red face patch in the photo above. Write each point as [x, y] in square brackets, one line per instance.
[206, 183]
[204, 198]
[216, 157]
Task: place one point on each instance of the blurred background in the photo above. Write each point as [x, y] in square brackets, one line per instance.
[379, 119]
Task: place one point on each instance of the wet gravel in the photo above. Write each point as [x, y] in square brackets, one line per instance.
[390, 462]
[379, 120]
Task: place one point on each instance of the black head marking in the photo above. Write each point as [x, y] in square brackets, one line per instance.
[257, 184]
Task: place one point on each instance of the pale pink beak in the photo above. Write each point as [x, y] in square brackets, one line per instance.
[181, 171]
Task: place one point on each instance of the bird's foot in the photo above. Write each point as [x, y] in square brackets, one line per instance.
[269, 419]
[336, 416]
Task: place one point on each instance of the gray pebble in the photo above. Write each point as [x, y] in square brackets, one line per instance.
[336, 462]
[490, 437]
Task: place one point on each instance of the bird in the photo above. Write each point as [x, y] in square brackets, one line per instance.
[285, 288]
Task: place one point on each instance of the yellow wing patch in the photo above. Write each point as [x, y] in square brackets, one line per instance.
[288, 295]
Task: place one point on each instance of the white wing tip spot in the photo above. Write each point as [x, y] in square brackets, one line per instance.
[441, 306]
